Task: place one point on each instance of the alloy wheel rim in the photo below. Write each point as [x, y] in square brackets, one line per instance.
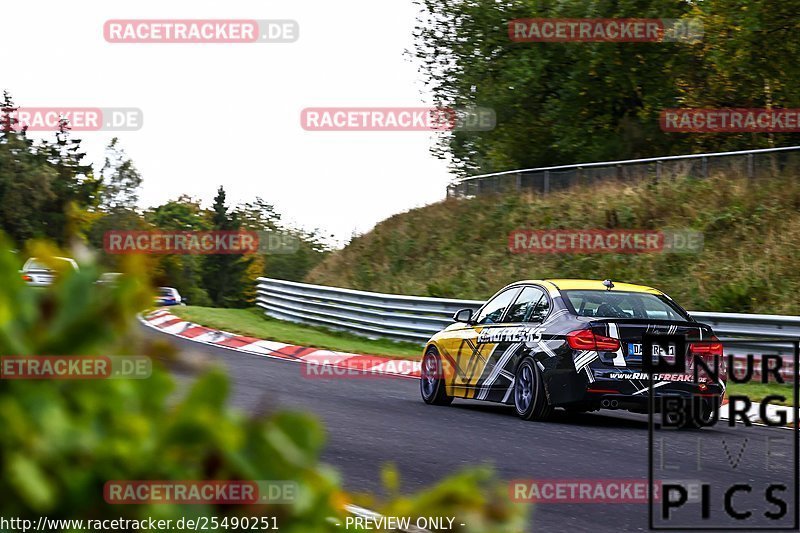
[429, 370]
[524, 388]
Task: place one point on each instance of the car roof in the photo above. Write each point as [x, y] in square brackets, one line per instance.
[556, 285]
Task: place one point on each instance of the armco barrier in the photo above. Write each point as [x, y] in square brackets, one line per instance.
[371, 314]
[416, 318]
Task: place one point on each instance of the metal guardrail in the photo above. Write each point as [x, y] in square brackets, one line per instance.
[370, 314]
[751, 163]
[416, 318]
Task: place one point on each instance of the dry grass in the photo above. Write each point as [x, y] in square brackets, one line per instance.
[458, 248]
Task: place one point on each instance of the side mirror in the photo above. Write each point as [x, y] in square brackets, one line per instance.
[463, 315]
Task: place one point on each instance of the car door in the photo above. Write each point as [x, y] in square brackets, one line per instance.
[473, 348]
[520, 326]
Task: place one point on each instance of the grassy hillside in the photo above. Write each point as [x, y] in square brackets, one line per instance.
[459, 248]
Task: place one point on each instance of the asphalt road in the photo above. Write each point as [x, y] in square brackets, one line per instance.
[372, 421]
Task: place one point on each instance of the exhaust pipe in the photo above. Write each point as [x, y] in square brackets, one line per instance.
[609, 404]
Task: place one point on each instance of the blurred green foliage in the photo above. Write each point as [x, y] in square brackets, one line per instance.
[62, 440]
[481, 510]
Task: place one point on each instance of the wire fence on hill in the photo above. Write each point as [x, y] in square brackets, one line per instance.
[751, 163]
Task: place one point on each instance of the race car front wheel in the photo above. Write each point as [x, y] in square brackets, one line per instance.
[431, 379]
[530, 399]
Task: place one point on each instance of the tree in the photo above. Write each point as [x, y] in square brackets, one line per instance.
[303, 249]
[26, 179]
[74, 185]
[744, 61]
[560, 103]
[117, 198]
[258, 215]
[224, 275]
[311, 249]
[261, 217]
[184, 272]
[121, 180]
[183, 213]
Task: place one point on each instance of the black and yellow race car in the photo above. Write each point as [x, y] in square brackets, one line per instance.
[574, 344]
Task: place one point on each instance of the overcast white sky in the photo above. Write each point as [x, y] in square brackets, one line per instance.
[229, 114]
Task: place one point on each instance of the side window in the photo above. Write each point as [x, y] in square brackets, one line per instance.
[493, 311]
[540, 310]
[524, 308]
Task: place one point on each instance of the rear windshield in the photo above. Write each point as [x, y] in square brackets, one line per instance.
[616, 304]
[32, 264]
[165, 292]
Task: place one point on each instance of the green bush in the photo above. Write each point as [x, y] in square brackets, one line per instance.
[62, 440]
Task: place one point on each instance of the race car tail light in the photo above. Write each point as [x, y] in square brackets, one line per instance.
[27, 278]
[606, 344]
[586, 339]
[711, 352]
[708, 349]
[582, 339]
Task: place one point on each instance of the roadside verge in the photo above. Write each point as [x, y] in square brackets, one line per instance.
[337, 362]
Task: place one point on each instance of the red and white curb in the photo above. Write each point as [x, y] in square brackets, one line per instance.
[165, 321]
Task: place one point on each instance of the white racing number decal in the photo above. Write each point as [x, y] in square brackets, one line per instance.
[510, 334]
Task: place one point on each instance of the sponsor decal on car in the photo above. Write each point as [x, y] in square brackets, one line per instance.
[657, 377]
[510, 334]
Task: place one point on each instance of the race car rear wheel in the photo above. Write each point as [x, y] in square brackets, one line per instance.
[431, 379]
[530, 399]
